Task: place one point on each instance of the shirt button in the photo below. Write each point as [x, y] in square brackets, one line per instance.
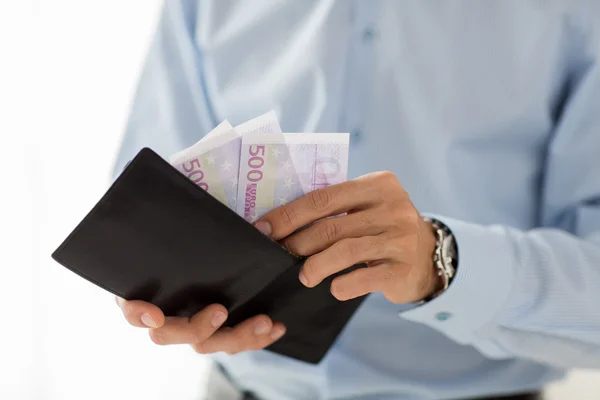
[369, 34]
[443, 316]
[355, 134]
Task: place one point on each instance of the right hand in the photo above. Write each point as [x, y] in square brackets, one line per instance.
[202, 331]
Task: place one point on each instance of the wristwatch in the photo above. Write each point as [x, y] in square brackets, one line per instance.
[445, 256]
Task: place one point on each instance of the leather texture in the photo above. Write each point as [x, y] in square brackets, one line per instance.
[156, 236]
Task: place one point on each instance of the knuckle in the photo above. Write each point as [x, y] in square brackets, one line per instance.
[310, 269]
[386, 183]
[331, 230]
[386, 176]
[394, 247]
[287, 214]
[320, 199]
[377, 248]
[352, 249]
[356, 185]
[366, 220]
[386, 180]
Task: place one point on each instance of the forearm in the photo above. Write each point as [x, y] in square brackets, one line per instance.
[520, 294]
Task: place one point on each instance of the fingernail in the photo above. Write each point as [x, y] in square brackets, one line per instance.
[218, 319]
[264, 227]
[261, 328]
[148, 321]
[303, 278]
[277, 333]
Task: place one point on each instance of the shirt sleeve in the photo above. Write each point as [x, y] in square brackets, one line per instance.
[536, 294]
[170, 109]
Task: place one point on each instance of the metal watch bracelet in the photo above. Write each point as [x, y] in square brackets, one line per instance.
[444, 256]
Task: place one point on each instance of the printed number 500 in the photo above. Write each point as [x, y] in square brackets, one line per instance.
[194, 173]
[255, 162]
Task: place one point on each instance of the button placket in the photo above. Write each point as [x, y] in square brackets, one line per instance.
[360, 67]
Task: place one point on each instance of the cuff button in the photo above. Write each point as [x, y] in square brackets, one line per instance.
[443, 316]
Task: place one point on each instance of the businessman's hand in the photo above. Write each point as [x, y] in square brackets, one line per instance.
[372, 221]
[203, 331]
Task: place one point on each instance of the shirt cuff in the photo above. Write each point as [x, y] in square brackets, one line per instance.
[480, 287]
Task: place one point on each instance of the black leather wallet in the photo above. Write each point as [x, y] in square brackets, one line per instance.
[156, 236]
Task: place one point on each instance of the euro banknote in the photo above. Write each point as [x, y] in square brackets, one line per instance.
[278, 168]
[213, 162]
[189, 152]
[253, 167]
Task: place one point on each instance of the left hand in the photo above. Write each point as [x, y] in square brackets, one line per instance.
[374, 222]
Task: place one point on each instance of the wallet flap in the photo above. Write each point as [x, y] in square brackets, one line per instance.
[156, 236]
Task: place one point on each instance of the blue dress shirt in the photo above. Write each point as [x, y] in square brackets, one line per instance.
[487, 112]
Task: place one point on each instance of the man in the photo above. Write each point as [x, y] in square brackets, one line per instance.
[487, 117]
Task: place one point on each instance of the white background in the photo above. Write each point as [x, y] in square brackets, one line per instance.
[68, 70]
[72, 70]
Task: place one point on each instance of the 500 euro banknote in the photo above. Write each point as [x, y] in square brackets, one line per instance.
[189, 152]
[213, 162]
[278, 168]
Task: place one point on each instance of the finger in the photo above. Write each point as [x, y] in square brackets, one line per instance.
[180, 330]
[141, 314]
[363, 281]
[313, 206]
[253, 334]
[343, 254]
[324, 233]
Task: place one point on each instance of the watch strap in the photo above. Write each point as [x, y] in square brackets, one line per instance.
[445, 256]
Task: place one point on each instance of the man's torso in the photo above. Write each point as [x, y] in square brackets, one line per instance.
[457, 99]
